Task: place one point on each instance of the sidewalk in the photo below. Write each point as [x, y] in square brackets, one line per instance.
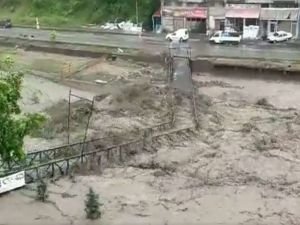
[285, 44]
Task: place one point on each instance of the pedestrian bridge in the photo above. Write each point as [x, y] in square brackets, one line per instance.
[180, 63]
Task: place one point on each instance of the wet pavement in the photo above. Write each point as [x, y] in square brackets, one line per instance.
[156, 44]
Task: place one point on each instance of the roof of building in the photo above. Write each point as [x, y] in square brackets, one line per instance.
[279, 14]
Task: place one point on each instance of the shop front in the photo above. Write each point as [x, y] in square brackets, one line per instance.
[196, 20]
[216, 18]
[242, 18]
[193, 19]
[279, 19]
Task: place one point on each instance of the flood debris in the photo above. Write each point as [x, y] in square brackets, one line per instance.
[244, 155]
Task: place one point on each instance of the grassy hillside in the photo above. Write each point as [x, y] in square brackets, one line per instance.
[76, 12]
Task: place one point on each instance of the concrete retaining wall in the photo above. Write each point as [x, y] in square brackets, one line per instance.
[198, 65]
[256, 65]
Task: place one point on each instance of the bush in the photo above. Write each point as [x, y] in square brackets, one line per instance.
[92, 206]
[53, 36]
[39, 3]
[42, 194]
[9, 3]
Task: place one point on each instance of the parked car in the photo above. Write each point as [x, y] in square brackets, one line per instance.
[179, 35]
[279, 36]
[5, 23]
[222, 37]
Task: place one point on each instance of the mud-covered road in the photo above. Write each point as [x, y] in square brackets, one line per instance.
[155, 44]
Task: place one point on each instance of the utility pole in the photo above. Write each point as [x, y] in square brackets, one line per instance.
[162, 4]
[208, 20]
[137, 11]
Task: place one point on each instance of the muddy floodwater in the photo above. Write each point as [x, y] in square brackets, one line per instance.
[241, 167]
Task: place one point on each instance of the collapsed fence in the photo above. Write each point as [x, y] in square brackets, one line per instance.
[59, 160]
[46, 163]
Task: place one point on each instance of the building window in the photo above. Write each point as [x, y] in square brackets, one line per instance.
[177, 3]
[265, 5]
[191, 4]
[172, 3]
[285, 5]
[250, 22]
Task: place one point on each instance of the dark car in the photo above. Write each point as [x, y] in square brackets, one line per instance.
[5, 23]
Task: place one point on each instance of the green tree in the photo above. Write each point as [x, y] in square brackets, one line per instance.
[92, 205]
[14, 125]
[96, 11]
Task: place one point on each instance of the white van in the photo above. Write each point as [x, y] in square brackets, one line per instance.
[179, 35]
[221, 37]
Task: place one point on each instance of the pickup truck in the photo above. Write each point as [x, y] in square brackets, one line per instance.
[222, 37]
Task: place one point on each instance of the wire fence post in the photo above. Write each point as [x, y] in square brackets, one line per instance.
[69, 115]
[86, 129]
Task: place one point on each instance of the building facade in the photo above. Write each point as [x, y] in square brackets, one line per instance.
[216, 15]
[191, 14]
[280, 15]
[206, 16]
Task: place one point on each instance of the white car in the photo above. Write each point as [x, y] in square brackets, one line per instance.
[179, 35]
[279, 36]
[222, 37]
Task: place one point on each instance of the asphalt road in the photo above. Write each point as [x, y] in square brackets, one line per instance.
[156, 44]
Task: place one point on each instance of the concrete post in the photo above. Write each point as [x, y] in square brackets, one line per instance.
[244, 25]
[37, 23]
[137, 11]
[153, 25]
[208, 21]
[162, 2]
[297, 26]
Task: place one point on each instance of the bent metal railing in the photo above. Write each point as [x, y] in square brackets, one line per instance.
[42, 156]
[38, 166]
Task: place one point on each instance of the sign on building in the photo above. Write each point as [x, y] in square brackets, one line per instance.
[12, 182]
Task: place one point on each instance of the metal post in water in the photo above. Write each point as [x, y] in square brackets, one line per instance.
[69, 115]
[86, 129]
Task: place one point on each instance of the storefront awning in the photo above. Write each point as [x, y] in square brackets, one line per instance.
[279, 14]
[197, 13]
[248, 13]
[192, 13]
